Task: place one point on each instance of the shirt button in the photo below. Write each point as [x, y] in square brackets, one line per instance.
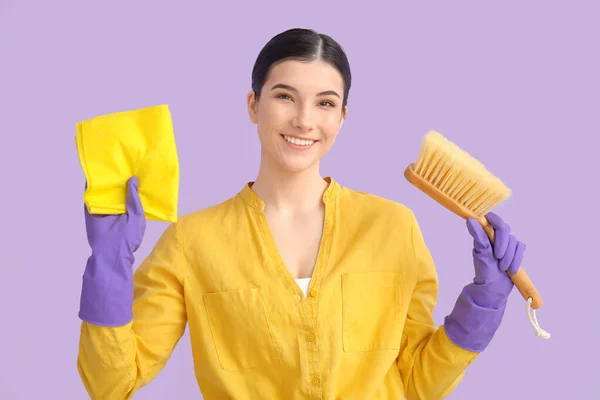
[316, 381]
[313, 293]
[311, 337]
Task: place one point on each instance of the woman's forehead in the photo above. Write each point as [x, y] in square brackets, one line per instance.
[305, 76]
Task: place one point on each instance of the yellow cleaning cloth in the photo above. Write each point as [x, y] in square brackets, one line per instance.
[114, 147]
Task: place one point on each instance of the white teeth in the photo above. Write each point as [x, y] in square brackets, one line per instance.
[299, 142]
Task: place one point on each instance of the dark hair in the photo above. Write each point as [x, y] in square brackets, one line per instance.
[304, 45]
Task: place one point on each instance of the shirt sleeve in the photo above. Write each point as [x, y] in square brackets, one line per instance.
[430, 364]
[114, 362]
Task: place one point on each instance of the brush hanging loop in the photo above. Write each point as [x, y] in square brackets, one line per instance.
[533, 319]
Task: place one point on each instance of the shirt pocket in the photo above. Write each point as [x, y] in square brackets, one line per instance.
[371, 306]
[240, 329]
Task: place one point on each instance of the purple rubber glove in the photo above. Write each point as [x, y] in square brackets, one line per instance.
[107, 290]
[480, 306]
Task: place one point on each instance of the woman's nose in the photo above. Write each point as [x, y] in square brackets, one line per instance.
[304, 119]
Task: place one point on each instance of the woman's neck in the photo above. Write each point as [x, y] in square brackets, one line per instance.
[289, 192]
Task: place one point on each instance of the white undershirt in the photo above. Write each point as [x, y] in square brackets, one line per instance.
[303, 283]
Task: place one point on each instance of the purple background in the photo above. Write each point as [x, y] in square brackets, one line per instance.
[515, 85]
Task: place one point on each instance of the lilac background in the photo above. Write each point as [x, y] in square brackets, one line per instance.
[514, 84]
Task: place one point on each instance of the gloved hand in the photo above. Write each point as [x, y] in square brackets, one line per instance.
[480, 306]
[107, 290]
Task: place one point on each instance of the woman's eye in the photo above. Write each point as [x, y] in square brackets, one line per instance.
[283, 96]
[327, 104]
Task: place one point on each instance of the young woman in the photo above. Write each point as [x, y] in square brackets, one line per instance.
[296, 287]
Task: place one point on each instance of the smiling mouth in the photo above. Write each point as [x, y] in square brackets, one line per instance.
[299, 142]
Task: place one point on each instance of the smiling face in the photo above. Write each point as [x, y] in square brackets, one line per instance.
[299, 113]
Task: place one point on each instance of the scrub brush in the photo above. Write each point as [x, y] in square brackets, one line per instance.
[464, 186]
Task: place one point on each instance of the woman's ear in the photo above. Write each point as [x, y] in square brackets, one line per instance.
[344, 116]
[252, 107]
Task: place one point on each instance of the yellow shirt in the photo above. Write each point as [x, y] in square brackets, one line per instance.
[365, 330]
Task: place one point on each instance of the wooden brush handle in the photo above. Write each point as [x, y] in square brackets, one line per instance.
[520, 279]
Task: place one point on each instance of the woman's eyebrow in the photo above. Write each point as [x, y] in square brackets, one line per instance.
[293, 89]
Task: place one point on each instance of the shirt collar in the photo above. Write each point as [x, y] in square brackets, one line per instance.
[252, 199]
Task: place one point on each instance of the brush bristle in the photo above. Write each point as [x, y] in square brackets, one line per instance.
[459, 175]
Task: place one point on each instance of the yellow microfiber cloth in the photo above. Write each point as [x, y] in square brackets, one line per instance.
[114, 147]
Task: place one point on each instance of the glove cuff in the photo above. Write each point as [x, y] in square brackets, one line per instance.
[471, 326]
[107, 289]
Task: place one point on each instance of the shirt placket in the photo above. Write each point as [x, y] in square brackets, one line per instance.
[310, 308]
